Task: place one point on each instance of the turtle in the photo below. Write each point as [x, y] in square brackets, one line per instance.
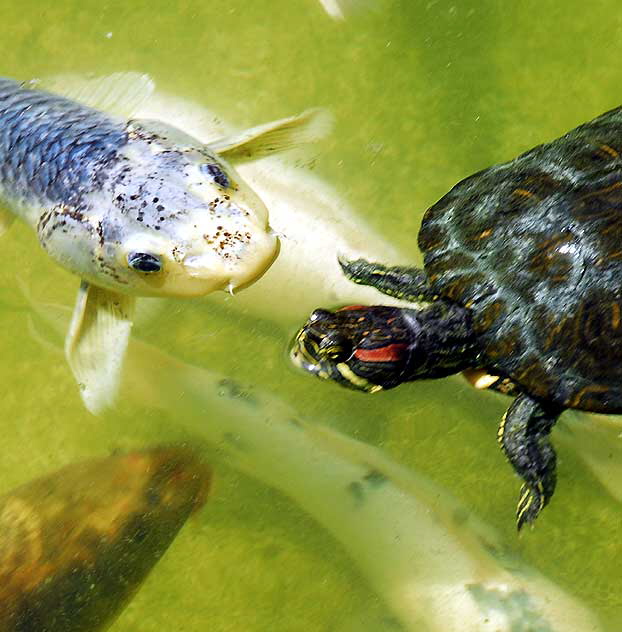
[521, 287]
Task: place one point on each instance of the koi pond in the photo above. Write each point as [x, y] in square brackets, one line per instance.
[328, 510]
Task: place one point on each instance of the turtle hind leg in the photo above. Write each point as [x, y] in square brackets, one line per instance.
[524, 435]
[403, 282]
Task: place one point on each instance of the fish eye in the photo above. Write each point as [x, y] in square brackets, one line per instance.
[144, 262]
[335, 347]
[217, 174]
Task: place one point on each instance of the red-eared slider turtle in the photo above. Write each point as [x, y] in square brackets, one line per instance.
[522, 280]
[76, 545]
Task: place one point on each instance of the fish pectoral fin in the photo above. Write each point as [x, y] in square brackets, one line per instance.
[96, 342]
[6, 220]
[120, 94]
[308, 127]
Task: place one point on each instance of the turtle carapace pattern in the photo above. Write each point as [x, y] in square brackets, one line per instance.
[522, 281]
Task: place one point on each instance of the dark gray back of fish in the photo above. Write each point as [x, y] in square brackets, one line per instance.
[53, 150]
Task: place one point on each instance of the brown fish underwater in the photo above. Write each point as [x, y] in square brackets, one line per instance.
[76, 545]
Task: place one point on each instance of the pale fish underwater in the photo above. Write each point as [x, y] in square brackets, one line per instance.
[432, 561]
[314, 223]
[76, 545]
[134, 207]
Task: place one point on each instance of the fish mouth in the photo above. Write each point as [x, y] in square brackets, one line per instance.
[232, 271]
[244, 284]
[178, 472]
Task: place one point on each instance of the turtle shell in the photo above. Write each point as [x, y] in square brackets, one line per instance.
[533, 248]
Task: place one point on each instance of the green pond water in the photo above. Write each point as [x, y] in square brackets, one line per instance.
[423, 93]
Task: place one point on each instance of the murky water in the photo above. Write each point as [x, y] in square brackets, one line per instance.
[424, 93]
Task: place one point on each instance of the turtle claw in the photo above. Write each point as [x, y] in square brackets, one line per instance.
[531, 501]
[402, 282]
[357, 270]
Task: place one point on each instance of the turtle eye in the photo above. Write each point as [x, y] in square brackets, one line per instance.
[319, 314]
[335, 347]
[215, 172]
[144, 262]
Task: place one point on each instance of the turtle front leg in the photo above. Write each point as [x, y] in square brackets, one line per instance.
[403, 282]
[524, 435]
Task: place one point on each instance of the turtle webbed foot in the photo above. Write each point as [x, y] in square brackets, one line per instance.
[524, 435]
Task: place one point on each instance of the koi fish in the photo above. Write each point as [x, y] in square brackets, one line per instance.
[76, 545]
[134, 207]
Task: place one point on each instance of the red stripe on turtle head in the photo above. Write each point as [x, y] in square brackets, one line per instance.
[348, 307]
[388, 353]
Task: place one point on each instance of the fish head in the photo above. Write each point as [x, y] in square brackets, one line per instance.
[171, 222]
[196, 228]
[100, 524]
[207, 230]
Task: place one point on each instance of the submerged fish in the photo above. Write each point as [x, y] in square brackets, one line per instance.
[76, 545]
[315, 224]
[134, 207]
[437, 566]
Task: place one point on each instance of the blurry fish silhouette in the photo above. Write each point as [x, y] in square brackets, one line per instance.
[76, 545]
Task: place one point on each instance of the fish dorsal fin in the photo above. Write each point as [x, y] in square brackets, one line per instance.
[96, 342]
[294, 131]
[120, 94]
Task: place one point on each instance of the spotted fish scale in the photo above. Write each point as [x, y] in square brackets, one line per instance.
[52, 150]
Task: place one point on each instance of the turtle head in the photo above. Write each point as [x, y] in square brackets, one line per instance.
[378, 347]
[364, 348]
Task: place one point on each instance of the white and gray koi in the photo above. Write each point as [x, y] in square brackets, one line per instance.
[133, 207]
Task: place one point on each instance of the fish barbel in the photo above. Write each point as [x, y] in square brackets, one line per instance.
[134, 207]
